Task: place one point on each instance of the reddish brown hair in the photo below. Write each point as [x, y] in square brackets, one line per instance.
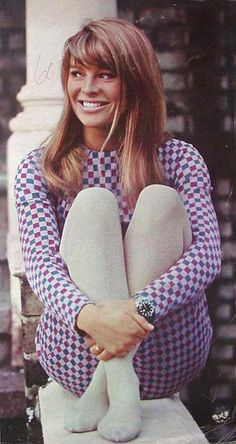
[118, 45]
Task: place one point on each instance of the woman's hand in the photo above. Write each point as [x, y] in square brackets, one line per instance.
[114, 326]
[100, 353]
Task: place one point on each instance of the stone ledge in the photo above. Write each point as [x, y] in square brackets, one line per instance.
[165, 421]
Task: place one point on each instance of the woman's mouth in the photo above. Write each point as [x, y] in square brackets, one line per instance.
[91, 105]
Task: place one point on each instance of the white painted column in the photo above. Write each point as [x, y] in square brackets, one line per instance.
[48, 25]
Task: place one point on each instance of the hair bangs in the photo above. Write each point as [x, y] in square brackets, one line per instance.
[88, 49]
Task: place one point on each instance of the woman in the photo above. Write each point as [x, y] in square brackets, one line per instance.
[118, 232]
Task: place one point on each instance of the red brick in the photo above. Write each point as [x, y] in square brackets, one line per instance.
[16, 41]
[172, 60]
[227, 372]
[228, 270]
[223, 392]
[5, 319]
[5, 350]
[11, 388]
[227, 332]
[223, 187]
[227, 291]
[165, 15]
[30, 305]
[222, 352]
[229, 250]
[224, 312]
[226, 229]
[29, 325]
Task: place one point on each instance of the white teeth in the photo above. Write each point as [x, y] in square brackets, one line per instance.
[92, 104]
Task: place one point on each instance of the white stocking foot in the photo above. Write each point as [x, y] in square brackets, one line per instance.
[88, 410]
[123, 421]
[85, 415]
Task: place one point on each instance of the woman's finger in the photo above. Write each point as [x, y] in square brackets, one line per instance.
[105, 356]
[96, 350]
[142, 322]
[89, 341]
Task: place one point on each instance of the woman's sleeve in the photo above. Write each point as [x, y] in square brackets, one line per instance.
[201, 262]
[45, 270]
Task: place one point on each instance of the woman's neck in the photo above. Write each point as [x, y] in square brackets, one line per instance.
[94, 138]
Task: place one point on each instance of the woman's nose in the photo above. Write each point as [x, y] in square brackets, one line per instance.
[90, 85]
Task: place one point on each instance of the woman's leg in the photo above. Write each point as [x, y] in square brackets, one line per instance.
[157, 236]
[155, 239]
[92, 248]
[142, 236]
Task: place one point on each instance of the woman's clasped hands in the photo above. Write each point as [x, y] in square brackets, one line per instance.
[113, 328]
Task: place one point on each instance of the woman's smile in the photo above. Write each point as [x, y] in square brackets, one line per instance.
[91, 105]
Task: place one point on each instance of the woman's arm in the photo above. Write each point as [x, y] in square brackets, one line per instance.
[201, 262]
[45, 270]
[48, 276]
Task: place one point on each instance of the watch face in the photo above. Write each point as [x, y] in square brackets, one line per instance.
[146, 309]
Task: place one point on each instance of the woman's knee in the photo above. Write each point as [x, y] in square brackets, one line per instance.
[92, 211]
[94, 197]
[161, 201]
[95, 204]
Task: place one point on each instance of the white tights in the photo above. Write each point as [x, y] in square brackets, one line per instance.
[104, 266]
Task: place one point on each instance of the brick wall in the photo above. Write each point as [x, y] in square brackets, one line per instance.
[12, 77]
[12, 65]
[222, 295]
[195, 42]
[196, 46]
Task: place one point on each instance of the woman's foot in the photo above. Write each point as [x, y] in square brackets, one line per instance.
[121, 424]
[88, 410]
[123, 421]
[85, 415]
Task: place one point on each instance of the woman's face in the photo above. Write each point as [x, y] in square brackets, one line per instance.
[94, 94]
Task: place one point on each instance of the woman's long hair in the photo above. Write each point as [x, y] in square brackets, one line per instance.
[122, 47]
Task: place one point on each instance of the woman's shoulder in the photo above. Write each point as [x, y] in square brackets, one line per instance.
[29, 175]
[181, 159]
[33, 157]
[31, 166]
[176, 147]
[175, 152]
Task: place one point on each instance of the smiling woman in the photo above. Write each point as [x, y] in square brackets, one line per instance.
[119, 236]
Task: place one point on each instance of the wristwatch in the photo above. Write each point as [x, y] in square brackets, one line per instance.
[145, 308]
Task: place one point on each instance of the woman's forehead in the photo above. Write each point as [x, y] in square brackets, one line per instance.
[78, 61]
[92, 52]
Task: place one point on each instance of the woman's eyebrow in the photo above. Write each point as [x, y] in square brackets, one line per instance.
[74, 65]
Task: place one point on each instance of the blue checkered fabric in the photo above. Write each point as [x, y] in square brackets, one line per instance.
[176, 350]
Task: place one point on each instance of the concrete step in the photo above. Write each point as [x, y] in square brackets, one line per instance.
[164, 421]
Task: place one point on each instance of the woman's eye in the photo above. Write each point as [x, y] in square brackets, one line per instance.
[107, 75]
[76, 73]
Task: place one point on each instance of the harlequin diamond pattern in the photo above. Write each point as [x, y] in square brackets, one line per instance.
[177, 349]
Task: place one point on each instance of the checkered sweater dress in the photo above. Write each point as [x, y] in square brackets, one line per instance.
[177, 349]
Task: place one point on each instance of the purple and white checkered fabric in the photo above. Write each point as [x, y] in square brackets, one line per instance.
[177, 349]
